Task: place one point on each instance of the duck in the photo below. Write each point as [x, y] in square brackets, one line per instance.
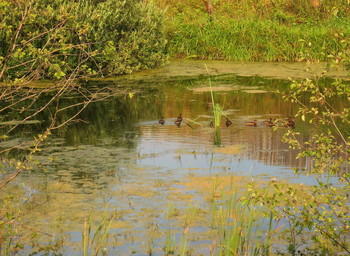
[228, 122]
[179, 118]
[290, 123]
[161, 121]
[251, 123]
[268, 123]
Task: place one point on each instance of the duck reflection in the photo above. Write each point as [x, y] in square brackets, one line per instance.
[253, 124]
[178, 120]
[269, 123]
[228, 122]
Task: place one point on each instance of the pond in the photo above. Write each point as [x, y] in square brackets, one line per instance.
[119, 160]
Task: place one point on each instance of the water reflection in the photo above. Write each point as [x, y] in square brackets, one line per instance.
[132, 152]
[130, 123]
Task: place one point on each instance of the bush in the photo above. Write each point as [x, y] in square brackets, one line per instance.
[318, 217]
[54, 39]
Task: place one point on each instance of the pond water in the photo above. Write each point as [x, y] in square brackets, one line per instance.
[120, 160]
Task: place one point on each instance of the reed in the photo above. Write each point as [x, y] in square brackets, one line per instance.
[269, 235]
[237, 222]
[217, 113]
[94, 242]
[174, 246]
[183, 242]
[170, 239]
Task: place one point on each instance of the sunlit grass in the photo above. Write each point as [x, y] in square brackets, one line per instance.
[236, 223]
[256, 40]
[217, 113]
[94, 242]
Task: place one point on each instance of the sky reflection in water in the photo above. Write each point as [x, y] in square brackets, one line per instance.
[124, 159]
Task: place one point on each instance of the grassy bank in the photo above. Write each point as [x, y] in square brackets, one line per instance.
[259, 31]
[254, 40]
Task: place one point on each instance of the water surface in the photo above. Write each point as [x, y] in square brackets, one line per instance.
[120, 160]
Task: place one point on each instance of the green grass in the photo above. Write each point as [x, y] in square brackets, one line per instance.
[257, 40]
[170, 241]
[94, 241]
[217, 113]
[237, 224]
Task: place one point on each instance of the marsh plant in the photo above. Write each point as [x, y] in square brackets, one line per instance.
[217, 113]
[95, 242]
[217, 119]
[170, 238]
[177, 244]
[16, 236]
[242, 228]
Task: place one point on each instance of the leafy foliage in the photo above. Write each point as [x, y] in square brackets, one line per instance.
[53, 39]
[321, 212]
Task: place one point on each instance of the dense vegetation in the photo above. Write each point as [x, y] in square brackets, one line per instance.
[318, 219]
[54, 39]
[63, 40]
[263, 30]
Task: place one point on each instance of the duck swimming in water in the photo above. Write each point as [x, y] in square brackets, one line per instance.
[251, 123]
[179, 118]
[269, 123]
[161, 121]
[228, 122]
[290, 123]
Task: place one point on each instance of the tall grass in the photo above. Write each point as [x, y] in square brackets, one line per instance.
[263, 9]
[94, 241]
[260, 30]
[257, 40]
[170, 241]
[217, 113]
[237, 223]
